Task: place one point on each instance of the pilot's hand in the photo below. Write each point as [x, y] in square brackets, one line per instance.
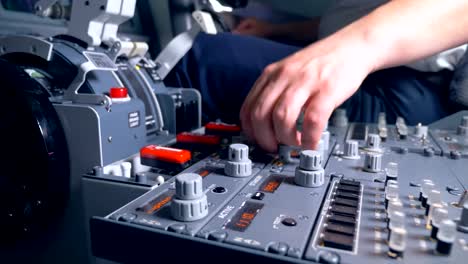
[316, 79]
[254, 27]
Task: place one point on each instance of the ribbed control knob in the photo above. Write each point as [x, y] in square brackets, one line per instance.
[463, 223]
[326, 140]
[190, 202]
[340, 119]
[464, 121]
[188, 186]
[351, 149]
[239, 164]
[310, 173]
[373, 162]
[310, 160]
[463, 127]
[421, 131]
[373, 141]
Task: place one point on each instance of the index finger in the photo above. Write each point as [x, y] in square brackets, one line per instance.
[316, 115]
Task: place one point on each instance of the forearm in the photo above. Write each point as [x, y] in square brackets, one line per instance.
[403, 31]
[300, 31]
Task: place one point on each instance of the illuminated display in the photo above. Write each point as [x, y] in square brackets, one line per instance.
[157, 203]
[244, 217]
[295, 153]
[271, 184]
[203, 172]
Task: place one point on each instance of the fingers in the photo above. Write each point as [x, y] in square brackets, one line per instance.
[317, 112]
[258, 108]
[286, 112]
[246, 108]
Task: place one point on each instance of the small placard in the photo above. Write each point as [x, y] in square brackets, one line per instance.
[134, 119]
[100, 60]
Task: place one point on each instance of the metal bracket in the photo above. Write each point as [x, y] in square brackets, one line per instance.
[134, 51]
[174, 51]
[42, 6]
[96, 62]
[26, 44]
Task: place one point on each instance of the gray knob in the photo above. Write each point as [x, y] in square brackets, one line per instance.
[190, 202]
[310, 173]
[310, 160]
[238, 152]
[188, 186]
[400, 121]
[326, 140]
[420, 131]
[463, 223]
[463, 127]
[239, 164]
[189, 210]
[340, 119]
[373, 141]
[321, 148]
[464, 121]
[373, 162]
[351, 149]
[463, 131]
[310, 179]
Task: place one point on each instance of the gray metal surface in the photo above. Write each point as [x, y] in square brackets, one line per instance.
[29, 45]
[291, 220]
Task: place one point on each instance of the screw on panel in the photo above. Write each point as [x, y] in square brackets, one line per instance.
[109, 139]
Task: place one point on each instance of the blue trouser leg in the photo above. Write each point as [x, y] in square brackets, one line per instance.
[224, 68]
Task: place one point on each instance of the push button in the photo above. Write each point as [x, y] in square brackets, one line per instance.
[349, 188]
[346, 202]
[278, 248]
[218, 236]
[177, 228]
[119, 94]
[344, 210]
[338, 241]
[350, 183]
[347, 195]
[289, 222]
[340, 229]
[258, 196]
[127, 217]
[342, 220]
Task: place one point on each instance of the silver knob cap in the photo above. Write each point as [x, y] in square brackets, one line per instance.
[188, 186]
[464, 121]
[340, 118]
[462, 130]
[373, 141]
[463, 223]
[310, 160]
[351, 149]
[326, 140]
[373, 162]
[239, 164]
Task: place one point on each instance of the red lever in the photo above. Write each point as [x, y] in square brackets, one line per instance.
[186, 137]
[171, 155]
